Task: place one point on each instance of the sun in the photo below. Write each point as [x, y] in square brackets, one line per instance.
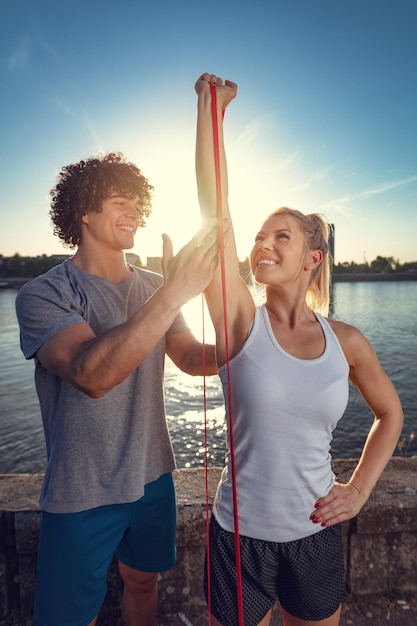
[198, 319]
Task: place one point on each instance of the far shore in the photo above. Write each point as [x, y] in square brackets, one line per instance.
[17, 282]
[356, 278]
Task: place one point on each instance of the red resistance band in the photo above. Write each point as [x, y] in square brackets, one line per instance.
[223, 275]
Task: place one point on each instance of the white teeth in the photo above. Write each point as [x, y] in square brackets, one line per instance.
[266, 262]
[128, 228]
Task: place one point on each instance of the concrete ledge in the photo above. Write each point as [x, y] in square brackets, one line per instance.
[380, 544]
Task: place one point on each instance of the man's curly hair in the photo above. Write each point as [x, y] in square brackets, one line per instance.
[82, 187]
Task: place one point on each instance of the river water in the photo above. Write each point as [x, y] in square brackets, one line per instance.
[386, 312]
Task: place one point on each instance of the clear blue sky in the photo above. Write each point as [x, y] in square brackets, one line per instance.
[325, 119]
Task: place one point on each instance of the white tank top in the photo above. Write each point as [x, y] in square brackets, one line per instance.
[284, 411]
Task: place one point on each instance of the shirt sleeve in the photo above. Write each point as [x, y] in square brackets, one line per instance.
[43, 309]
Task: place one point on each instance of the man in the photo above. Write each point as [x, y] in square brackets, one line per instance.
[99, 330]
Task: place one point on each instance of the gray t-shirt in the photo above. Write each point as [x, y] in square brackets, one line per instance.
[99, 451]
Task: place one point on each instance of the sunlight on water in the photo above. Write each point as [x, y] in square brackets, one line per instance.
[386, 312]
[187, 434]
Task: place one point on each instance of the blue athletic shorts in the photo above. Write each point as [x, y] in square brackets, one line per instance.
[306, 575]
[76, 550]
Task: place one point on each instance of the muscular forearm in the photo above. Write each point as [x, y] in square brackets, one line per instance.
[108, 359]
[205, 160]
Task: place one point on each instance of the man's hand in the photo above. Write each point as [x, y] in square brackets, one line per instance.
[191, 270]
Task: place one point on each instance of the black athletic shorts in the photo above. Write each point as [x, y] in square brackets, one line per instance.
[306, 575]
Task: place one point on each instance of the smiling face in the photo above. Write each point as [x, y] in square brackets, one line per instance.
[279, 253]
[115, 225]
[292, 250]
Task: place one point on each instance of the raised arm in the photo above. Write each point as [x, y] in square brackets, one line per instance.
[240, 304]
[95, 364]
[205, 166]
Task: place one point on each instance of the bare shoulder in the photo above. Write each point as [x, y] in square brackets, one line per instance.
[352, 340]
[344, 330]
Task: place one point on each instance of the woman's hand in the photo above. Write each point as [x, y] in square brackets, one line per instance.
[343, 502]
[225, 92]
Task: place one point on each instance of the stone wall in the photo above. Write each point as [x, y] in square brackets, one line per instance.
[380, 544]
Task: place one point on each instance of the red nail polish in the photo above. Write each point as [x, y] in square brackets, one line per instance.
[323, 524]
[314, 519]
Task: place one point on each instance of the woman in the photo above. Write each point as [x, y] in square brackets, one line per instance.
[288, 369]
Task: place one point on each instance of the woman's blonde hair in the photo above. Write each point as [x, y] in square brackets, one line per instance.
[317, 231]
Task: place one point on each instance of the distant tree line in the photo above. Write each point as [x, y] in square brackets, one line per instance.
[380, 265]
[18, 266]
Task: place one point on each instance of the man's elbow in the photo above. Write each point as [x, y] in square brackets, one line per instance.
[92, 385]
[94, 391]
